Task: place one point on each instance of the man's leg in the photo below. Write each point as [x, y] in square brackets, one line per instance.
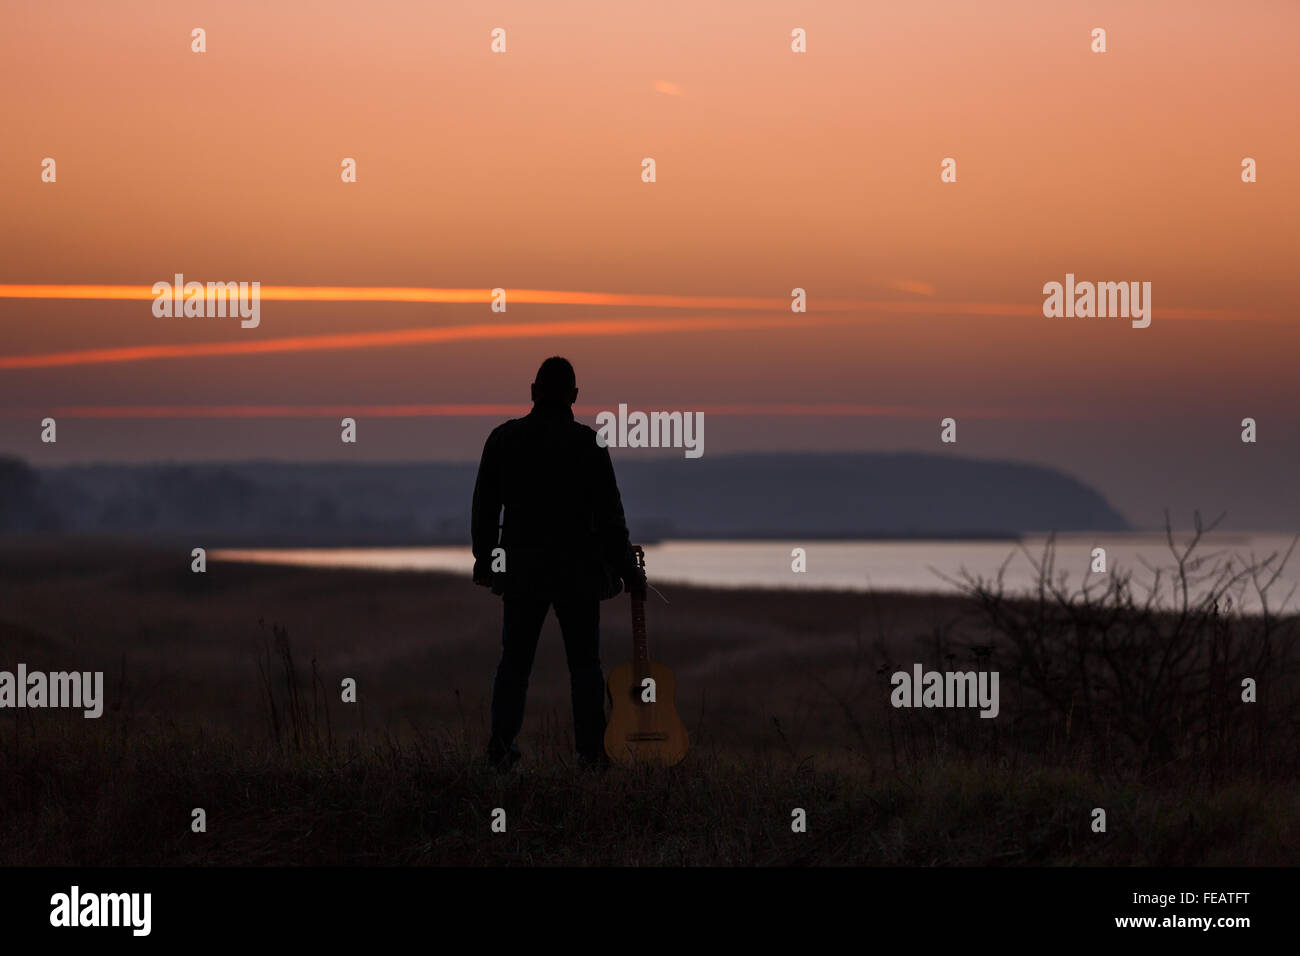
[580, 624]
[521, 625]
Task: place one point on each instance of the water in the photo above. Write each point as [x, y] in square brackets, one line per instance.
[917, 566]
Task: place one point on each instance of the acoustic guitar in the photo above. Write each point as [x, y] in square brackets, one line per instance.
[643, 723]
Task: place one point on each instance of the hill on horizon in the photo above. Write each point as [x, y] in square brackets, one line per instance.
[810, 495]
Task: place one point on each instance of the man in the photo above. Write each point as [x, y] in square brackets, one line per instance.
[564, 543]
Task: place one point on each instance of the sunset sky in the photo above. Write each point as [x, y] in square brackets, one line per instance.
[775, 170]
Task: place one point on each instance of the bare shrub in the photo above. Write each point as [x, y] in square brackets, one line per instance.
[1108, 669]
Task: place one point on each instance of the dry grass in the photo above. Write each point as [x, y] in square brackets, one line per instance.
[223, 694]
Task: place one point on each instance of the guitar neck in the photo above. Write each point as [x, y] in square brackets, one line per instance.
[640, 649]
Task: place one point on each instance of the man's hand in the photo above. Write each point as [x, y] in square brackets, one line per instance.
[634, 579]
[483, 572]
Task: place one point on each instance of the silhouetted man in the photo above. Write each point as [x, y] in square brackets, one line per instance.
[565, 544]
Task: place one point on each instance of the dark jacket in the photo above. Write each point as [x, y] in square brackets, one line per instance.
[564, 532]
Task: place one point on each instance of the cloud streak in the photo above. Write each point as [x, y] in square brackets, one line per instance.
[424, 336]
[418, 295]
[411, 294]
[498, 410]
[495, 330]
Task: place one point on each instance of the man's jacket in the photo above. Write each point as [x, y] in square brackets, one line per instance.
[563, 528]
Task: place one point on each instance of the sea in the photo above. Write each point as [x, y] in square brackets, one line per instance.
[920, 566]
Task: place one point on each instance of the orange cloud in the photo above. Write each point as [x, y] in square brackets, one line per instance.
[295, 293]
[426, 336]
[298, 293]
[914, 286]
[743, 409]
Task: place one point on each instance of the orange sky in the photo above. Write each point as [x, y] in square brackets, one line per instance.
[775, 170]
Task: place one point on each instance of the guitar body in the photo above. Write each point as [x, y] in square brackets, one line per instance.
[638, 731]
[642, 731]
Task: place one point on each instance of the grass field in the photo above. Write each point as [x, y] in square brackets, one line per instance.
[223, 693]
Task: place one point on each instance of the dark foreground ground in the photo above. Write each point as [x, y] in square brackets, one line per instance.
[223, 693]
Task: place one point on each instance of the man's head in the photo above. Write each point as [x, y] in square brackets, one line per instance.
[555, 383]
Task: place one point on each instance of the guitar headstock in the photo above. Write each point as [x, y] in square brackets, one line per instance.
[640, 556]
